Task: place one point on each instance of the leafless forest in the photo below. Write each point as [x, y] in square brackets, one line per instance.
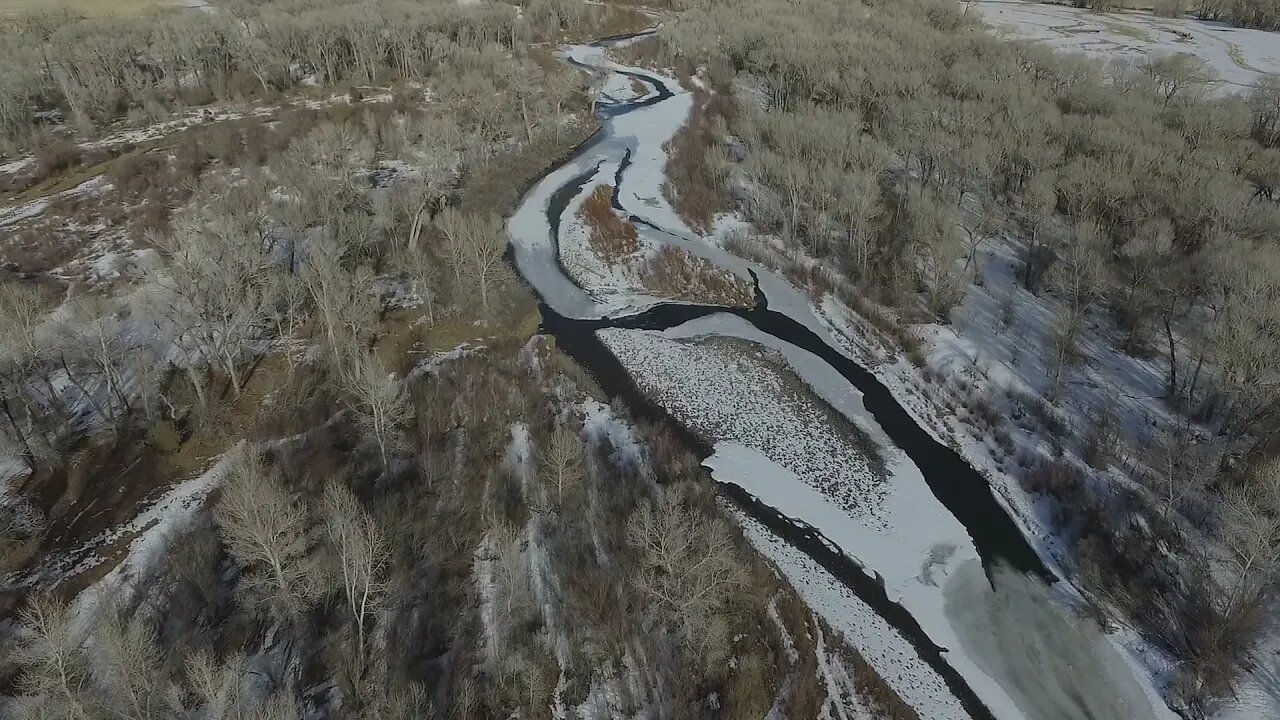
[418, 507]
[887, 143]
[413, 509]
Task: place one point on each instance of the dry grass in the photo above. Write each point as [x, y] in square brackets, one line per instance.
[693, 187]
[612, 238]
[681, 275]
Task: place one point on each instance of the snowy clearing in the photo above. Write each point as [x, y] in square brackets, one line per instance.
[1241, 57]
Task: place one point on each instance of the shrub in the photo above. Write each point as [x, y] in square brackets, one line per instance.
[612, 237]
[695, 172]
[57, 157]
[679, 274]
[1102, 438]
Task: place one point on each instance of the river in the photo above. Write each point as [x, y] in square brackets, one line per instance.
[981, 577]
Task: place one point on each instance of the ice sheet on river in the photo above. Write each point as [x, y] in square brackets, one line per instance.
[891, 654]
[771, 442]
[640, 134]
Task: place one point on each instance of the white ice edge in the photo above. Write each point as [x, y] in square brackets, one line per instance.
[888, 652]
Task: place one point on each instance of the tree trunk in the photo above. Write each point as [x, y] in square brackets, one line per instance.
[232, 373]
[27, 453]
[528, 125]
[196, 383]
[89, 397]
[1195, 380]
[1028, 268]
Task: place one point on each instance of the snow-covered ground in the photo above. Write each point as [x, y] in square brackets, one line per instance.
[979, 354]
[891, 654]
[734, 393]
[13, 215]
[771, 440]
[613, 282]
[153, 529]
[1240, 57]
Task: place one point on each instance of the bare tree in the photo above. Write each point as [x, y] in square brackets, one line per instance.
[55, 673]
[427, 198]
[1244, 339]
[398, 703]
[216, 684]
[984, 224]
[1035, 210]
[426, 279]
[277, 707]
[1264, 104]
[128, 668]
[501, 573]
[22, 310]
[214, 292]
[92, 338]
[363, 557]
[32, 407]
[931, 230]
[22, 524]
[266, 527]
[859, 203]
[1251, 535]
[1077, 275]
[1178, 74]
[526, 681]
[1182, 466]
[688, 568]
[563, 462]
[475, 245]
[342, 298]
[22, 315]
[379, 401]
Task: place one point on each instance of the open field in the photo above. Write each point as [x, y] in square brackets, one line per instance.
[1240, 57]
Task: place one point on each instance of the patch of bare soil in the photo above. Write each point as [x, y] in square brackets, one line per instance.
[107, 483]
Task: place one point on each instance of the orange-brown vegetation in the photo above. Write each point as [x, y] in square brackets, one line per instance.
[693, 187]
[612, 237]
[681, 275]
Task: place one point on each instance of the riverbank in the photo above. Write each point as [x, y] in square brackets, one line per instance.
[915, 575]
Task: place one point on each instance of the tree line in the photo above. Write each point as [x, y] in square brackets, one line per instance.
[98, 69]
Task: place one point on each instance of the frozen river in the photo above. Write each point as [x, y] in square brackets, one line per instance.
[884, 530]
